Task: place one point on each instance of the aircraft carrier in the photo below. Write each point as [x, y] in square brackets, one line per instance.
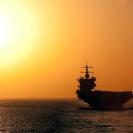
[97, 99]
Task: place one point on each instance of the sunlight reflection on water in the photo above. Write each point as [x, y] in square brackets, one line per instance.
[61, 117]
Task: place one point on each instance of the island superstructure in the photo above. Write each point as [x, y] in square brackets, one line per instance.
[97, 99]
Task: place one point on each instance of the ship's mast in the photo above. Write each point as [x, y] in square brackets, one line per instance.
[87, 72]
[87, 75]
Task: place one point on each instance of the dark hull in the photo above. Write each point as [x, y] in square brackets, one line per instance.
[106, 100]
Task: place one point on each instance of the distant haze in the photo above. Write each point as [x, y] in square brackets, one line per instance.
[54, 38]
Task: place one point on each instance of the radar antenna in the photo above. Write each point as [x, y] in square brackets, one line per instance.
[87, 72]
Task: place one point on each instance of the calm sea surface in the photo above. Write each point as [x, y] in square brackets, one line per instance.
[61, 116]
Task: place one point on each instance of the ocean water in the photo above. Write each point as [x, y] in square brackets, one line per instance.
[61, 116]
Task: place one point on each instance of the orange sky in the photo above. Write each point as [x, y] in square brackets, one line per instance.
[51, 39]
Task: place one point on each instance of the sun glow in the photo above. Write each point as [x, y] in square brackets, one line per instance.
[5, 32]
[18, 33]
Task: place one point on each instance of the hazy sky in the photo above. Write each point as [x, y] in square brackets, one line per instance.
[43, 43]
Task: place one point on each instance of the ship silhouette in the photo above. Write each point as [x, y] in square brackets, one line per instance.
[97, 99]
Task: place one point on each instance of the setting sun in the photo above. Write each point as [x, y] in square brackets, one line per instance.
[5, 31]
[18, 32]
